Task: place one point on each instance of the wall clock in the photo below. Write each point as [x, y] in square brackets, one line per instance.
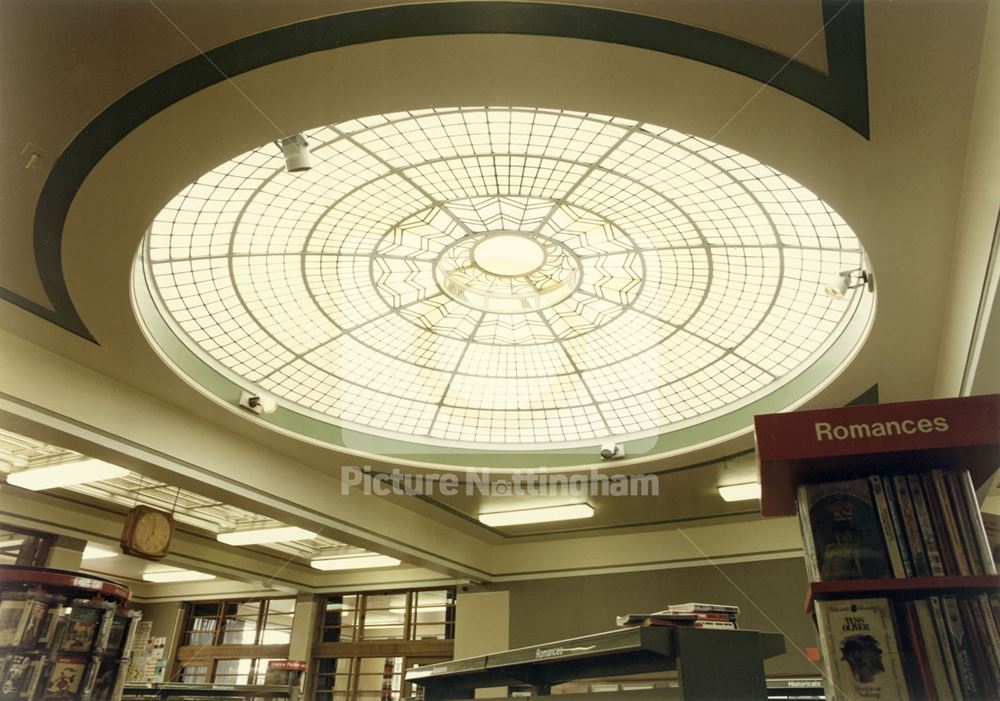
[147, 533]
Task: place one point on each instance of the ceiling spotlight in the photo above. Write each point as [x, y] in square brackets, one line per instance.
[611, 450]
[258, 404]
[295, 149]
[848, 280]
[176, 575]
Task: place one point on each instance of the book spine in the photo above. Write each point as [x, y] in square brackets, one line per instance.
[981, 546]
[805, 526]
[897, 522]
[964, 523]
[944, 503]
[947, 652]
[932, 647]
[960, 647]
[926, 528]
[918, 671]
[978, 644]
[888, 528]
[940, 528]
[992, 634]
[913, 538]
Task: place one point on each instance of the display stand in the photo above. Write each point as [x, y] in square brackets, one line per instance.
[712, 665]
[63, 635]
[888, 441]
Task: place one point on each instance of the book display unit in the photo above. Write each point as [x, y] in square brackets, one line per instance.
[63, 635]
[903, 585]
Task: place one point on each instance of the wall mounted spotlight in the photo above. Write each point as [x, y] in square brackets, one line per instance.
[295, 149]
[612, 451]
[848, 280]
[258, 404]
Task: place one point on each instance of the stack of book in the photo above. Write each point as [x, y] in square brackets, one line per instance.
[894, 526]
[54, 648]
[689, 615]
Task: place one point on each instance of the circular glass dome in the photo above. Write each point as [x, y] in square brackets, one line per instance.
[499, 278]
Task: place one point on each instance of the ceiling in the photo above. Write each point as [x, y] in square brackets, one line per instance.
[883, 113]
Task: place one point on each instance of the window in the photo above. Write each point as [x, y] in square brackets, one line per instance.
[367, 641]
[231, 642]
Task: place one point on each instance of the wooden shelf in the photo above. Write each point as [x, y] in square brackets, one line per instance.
[831, 445]
[847, 588]
[80, 583]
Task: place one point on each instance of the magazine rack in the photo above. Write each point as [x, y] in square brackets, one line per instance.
[712, 665]
[63, 635]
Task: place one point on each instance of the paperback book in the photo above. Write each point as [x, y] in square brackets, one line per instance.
[841, 530]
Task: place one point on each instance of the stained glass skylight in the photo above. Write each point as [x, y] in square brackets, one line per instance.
[502, 278]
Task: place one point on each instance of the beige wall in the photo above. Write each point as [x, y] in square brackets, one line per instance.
[769, 593]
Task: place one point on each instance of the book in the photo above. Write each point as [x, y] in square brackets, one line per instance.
[65, 677]
[915, 655]
[947, 655]
[991, 526]
[700, 608]
[889, 534]
[948, 561]
[934, 560]
[951, 527]
[13, 609]
[845, 529]
[913, 537]
[961, 648]
[979, 545]
[897, 520]
[80, 632]
[16, 676]
[932, 645]
[863, 659]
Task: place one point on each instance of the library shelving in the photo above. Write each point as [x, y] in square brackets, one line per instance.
[63, 635]
[904, 589]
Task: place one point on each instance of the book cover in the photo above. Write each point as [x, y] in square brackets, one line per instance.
[975, 628]
[991, 631]
[31, 626]
[934, 561]
[16, 675]
[847, 537]
[81, 629]
[700, 608]
[805, 528]
[35, 673]
[914, 648]
[65, 677]
[961, 648]
[980, 547]
[864, 660]
[947, 655]
[12, 610]
[963, 520]
[991, 526]
[897, 522]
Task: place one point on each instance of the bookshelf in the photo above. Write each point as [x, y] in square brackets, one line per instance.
[63, 635]
[889, 490]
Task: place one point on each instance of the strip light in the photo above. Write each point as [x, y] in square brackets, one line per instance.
[543, 515]
[740, 492]
[176, 576]
[95, 551]
[65, 474]
[269, 534]
[353, 562]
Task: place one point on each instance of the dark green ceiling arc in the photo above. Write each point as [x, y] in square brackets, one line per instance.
[842, 92]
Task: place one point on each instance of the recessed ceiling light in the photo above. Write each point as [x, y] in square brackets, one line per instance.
[11, 544]
[542, 515]
[95, 551]
[353, 562]
[176, 576]
[65, 474]
[740, 492]
[270, 534]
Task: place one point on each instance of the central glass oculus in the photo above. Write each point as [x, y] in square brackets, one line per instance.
[509, 255]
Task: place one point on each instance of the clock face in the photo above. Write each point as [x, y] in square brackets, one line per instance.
[149, 534]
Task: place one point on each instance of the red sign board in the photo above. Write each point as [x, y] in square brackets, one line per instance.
[831, 444]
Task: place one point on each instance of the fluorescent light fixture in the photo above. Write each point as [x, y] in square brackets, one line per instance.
[269, 534]
[542, 515]
[176, 576]
[353, 562]
[11, 544]
[740, 492]
[65, 474]
[95, 551]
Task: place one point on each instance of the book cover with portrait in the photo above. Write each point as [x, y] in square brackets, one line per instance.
[863, 661]
[844, 530]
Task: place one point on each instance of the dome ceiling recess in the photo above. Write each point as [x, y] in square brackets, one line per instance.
[503, 278]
